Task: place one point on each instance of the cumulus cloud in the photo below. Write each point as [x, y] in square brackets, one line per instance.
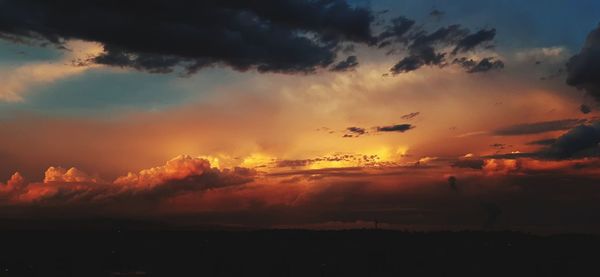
[16, 181]
[147, 187]
[269, 36]
[72, 175]
[191, 187]
[583, 69]
[177, 168]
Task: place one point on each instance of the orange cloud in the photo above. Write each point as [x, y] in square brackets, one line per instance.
[177, 168]
[72, 175]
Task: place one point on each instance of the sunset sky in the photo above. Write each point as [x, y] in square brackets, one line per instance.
[311, 114]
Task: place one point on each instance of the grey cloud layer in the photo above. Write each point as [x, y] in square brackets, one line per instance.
[158, 35]
[583, 69]
[290, 36]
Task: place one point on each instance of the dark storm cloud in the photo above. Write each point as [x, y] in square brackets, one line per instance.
[396, 128]
[549, 141]
[538, 127]
[580, 141]
[289, 36]
[583, 69]
[483, 65]
[348, 64]
[159, 35]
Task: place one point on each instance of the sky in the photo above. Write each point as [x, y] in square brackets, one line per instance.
[303, 113]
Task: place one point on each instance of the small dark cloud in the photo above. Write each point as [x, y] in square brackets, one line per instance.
[422, 49]
[396, 128]
[357, 130]
[410, 115]
[483, 65]
[583, 69]
[350, 63]
[471, 41]
[538, 127]
[585, 109]
[354, 132]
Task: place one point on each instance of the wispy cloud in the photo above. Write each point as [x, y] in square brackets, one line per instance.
[15, 81]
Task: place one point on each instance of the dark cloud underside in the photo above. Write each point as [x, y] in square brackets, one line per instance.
[538, 127]
[583, 69]
[346, 65]
[158, 35]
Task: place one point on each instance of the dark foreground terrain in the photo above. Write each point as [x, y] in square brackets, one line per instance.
[295, 253]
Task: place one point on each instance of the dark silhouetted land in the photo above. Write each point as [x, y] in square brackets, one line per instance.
[121, 252]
